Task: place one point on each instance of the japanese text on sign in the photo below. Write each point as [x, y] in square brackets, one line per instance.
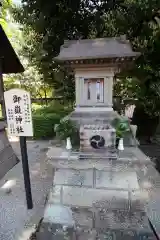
[18, 110]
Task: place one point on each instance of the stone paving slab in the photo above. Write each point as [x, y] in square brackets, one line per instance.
[83, 217]
[102, 218]
[125, 235]
[94, 234]
[86, 234]
[118, 219]
[58, 223]
[99, 198]
[87, 197]
[113, 180]
[73, 177]
[101, 179]
[58, 214]
[55, 232]
[99, 165]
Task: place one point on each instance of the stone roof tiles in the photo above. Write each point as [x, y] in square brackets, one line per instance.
[96, 49]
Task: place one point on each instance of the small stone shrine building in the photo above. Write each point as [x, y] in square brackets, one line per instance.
[95, 63]
[98, 194]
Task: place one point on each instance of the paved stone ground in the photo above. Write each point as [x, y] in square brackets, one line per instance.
[16, 222]
[153, 210]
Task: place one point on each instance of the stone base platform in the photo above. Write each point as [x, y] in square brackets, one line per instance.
[96, 198]
[130, 157]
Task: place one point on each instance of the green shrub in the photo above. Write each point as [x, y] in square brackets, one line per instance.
[66, 128]
[53, 107]
[122, 126]
[43, 125]
[45, 118]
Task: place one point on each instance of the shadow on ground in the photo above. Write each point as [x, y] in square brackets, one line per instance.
[152, 150]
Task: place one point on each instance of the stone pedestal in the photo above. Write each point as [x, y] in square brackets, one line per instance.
[100, 119]
[97, 136]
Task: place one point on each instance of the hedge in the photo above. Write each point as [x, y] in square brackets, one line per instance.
[45, 118]
[53, 107]
[43, 125]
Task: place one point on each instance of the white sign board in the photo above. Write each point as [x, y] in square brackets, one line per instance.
[18, 111]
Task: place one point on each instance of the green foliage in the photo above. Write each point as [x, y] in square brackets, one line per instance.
[66, 128]
[46, 117]
[6, 5]
[31, 80]
[47, 24]
[44, 125]
[126, 88]
[55, 107]
[140, 20]
[122, 126]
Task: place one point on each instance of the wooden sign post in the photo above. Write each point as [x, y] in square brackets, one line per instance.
[19, 120]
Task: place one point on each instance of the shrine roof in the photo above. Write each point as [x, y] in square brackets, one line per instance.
[8, 57]
[96, 49]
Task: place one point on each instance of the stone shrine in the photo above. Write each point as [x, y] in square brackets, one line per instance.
[95, 63]
[98, 193]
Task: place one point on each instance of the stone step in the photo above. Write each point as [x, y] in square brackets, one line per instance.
[103, 164]
[93, 234]
[130, 156]
[103, 219]
[61, 223]
[101, 154]
[57, 223]
[98, 179]
[74, 196]
[111, 234]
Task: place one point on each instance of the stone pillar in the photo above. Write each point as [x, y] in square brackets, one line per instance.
[106, 91]
[77, 84]
[81, 90]
[110, 91]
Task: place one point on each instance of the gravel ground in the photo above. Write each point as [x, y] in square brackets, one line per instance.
[16, 222]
